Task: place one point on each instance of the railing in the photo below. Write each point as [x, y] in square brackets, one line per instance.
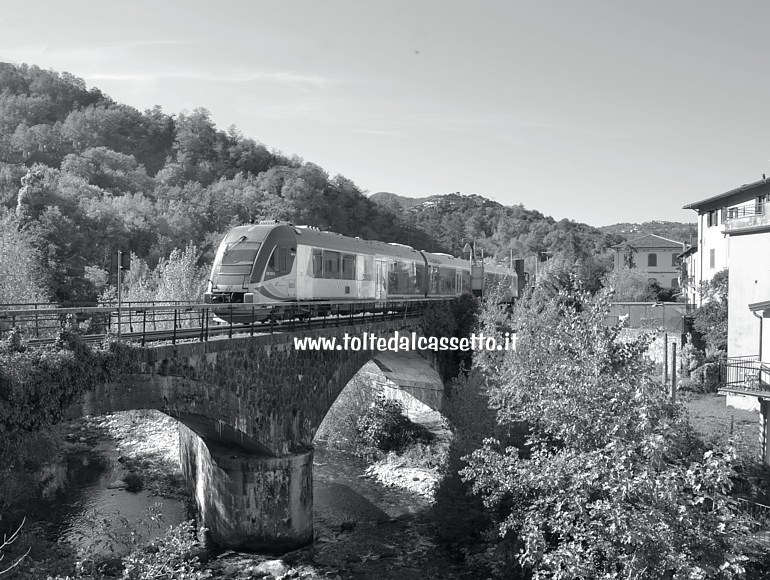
[747, 373]
[760, 513]
[748, 210]
[665, 316]
[151, 322]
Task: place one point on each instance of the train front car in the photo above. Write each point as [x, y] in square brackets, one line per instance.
[254, 265]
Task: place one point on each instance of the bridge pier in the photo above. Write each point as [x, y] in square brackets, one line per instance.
[249, 501]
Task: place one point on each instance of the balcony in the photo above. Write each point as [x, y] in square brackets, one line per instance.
[747, 217]
[746, 375]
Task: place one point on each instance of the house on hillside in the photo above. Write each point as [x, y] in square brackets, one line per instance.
[688, 262]
[654, 256]
[734, 233]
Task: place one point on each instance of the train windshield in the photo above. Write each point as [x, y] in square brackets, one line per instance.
[240, 254]
[237, 261]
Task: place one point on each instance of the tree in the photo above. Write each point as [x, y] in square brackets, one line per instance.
[711, 318]
[21, 278]
[629, 285]
[611, 482]
[628, 256]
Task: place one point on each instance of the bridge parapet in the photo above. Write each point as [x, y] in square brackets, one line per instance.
[259, 392]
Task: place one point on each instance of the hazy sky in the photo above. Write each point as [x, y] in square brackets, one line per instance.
[595, 111]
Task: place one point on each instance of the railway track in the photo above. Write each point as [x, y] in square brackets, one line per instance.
[153, 323]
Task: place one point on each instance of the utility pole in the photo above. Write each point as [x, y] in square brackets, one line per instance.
[123, 262]
[120, 284]
[673, 374]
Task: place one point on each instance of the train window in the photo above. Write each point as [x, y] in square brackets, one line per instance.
[331, 264]
[240, 256]
[466, 289]
[272, 264]
[419, 273]
[393, 286]
[279, 264]
[447, 281]
[366, 268]
[348, 267]
[317, 264]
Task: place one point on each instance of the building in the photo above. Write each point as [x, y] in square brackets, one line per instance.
[655, 256]
[734, 233]
[688, 262]
[714, 213]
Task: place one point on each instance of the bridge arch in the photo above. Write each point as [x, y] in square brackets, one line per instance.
[250, 407]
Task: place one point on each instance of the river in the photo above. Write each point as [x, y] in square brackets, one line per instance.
[362, 528]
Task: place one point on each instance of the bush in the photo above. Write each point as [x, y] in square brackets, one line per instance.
[384, 427]
[134, 482]
[173, 555]
[614, 482]
[339, 429]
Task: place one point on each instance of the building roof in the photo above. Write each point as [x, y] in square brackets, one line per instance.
[650, 241]
[742, 188]
[760, 306]
[688, 251]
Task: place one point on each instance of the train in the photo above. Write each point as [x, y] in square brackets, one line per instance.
[282, 269]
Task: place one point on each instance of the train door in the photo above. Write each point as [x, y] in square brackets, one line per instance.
[458, 282]
[380, 280]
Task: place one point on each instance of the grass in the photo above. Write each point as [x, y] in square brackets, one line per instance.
[723, 425]
[720, 424]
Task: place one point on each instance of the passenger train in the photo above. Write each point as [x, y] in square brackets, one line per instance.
[273, 262]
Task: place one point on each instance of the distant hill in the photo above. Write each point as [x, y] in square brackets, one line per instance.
[390, 199]
[454, 219]
[678, 231]
[446, 199]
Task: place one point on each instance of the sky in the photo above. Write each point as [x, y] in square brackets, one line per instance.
[596, 111]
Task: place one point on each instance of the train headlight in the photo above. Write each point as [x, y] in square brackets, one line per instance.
[248, 298]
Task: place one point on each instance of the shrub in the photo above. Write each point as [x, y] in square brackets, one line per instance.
[384, 427]
[134, 482]
[339, 429]
[170, 556]
[615, 483]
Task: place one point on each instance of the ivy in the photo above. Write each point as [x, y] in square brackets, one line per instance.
[37, 385]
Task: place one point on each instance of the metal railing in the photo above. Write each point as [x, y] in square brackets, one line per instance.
[760, 513]
[152, 322]
[746, 373]
[663, 316]
[747, 210]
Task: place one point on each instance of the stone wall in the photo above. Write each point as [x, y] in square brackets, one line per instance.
[259, 392]
[656, 351]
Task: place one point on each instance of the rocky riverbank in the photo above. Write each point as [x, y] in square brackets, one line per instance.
[369, 521]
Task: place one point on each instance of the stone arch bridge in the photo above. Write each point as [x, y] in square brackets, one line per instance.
[249, 408]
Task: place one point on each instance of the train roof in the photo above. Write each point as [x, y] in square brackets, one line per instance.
[436, 258]
[309, 236]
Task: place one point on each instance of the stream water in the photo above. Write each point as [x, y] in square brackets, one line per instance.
[91, 511]
[360, 526]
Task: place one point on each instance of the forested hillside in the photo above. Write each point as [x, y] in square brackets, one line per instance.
[82, 176]
[677, 231]
[498, 229]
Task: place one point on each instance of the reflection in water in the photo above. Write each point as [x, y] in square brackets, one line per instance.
[342, 491]
[95, 515]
